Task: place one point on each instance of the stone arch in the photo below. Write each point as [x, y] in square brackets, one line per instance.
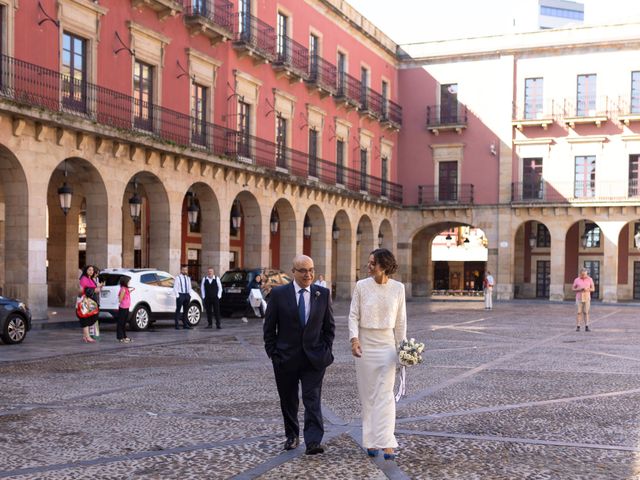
[316, 244]
[532, 260]
[584, 247]
[283, 242]
[146, 243]
[80, 237]
[387, 239]
[628, 274]
[342, 259]
[365, 244]
[246, 242]
[14, 227]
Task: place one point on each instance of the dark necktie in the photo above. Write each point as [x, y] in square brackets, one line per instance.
[301, 312]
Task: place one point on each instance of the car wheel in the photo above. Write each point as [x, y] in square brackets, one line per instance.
[15, 329]
[193, 314]
[141, 318]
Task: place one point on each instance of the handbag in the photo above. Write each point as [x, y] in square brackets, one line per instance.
[86, 307]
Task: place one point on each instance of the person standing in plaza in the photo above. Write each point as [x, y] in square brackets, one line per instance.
[211, 289]
[298, 337]
[90, 289]
[377, 325]
[182, 291]
[488, 284]
[321, 281]
[583, 286]
[124, 302]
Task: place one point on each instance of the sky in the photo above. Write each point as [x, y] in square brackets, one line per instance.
[412, 21]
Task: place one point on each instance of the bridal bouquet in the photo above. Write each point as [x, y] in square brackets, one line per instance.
[410, 352]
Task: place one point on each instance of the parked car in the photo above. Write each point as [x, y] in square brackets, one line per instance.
[152, 296]
[235, 287]
[15, 320]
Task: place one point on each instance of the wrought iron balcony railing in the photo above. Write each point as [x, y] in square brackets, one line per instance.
[446, 115]
[252, 33]
[434, 195]
[587, 107]
[323, 74]
[574, 192]
[30, 85]
[292, 55]
[349, 89]
[217, 16]
[392, 113]
[536, 110]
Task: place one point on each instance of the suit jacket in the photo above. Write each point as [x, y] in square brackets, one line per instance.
[286, 342]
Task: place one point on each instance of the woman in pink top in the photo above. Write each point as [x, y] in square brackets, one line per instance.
[89, 288]
[124, 298]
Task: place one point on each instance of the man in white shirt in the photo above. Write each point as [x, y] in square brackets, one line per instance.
[182, 291]
[211, 289]
[488, 290]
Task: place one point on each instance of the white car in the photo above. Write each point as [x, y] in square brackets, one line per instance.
[152, 296]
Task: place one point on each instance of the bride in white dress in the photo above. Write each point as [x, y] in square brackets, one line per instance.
[377, 325]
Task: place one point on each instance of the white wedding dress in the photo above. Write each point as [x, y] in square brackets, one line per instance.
[378, 319]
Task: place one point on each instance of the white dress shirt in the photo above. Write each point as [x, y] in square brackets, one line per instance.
[307, 299]
[182, 284]
[210, 279]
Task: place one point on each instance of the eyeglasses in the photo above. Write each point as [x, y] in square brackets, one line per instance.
[304, 271]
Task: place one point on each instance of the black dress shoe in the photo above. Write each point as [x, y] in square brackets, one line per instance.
[218, 327]
[291, 443]
[314, 449]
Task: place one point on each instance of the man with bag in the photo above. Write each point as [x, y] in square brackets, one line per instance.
[583, 286]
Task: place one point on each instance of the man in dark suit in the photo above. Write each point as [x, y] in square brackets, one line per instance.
[298, 337]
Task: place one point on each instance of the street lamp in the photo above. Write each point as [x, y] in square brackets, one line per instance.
[306, 227]
[358, 234]
[135, 203]
[533, 241]
[65, 192]
[448, 239]
[274, 222]
[380, 239]
[192, 212]
[335, 231]
[236, 216]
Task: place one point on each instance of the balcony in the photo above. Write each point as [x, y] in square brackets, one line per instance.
[211, 18]
[322, 75]
[127, 119]
[292, 58]
[349, 90]
[578, 192]
[392, 115]
[629, 110]
[590, 110]
[372, 103]
[164, 8]
[534, 115]
[445, 195]
[254, 37]
[442, 118]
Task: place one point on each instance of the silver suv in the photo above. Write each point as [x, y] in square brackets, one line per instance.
[152, 296]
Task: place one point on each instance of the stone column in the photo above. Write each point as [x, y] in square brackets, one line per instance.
[346, 266]
[557, 258]
[403, 257]
[501, 253]
[609, 267]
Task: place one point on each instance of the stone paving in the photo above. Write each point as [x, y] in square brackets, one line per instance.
[512, 393]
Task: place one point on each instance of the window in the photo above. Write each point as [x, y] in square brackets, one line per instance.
[633, 175]
[313, 152]
[593, 267]
[449, 103]
[533, 104]
[447, 181]
[635, 92]
[340, 162]
[143, 96]
[364, 86]
[543, 237]
[384, 174]
[282, 33]
[385, 98]
[363, 169]
[199, 7]
[532, 185]
[561, 13]
[74, 71]
[585, 178]
[281, 142]
[314, 52]
[244, 130]
[244, 10]
[591, 237]
[342, 71]
[586, 98]
[543, 278]
[198, 114]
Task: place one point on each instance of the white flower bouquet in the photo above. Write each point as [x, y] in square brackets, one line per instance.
[410, 352]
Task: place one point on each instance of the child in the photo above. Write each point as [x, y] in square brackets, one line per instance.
[124, 299]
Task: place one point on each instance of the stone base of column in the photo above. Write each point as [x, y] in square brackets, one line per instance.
[610, 295]
[556, 293]
[504, 292]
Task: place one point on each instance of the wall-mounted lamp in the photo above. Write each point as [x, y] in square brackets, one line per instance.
[236, 216]
[65, 193]
[380, 239]
[533, 241]
[335, 231]
[193, 211]
[274, 222]
[135, 203]
[493, 150]
[306, 227]
[358, 234]
[636, 240]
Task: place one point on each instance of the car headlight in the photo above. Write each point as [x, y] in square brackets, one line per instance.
[22, 306]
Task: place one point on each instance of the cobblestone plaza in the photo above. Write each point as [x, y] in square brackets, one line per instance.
[511, 393]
